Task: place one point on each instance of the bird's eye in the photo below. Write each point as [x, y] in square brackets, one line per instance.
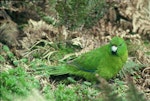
[120, 44]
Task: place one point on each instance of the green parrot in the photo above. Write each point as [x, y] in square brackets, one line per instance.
[106, 61]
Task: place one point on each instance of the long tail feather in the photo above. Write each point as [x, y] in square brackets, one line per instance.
[53, 70]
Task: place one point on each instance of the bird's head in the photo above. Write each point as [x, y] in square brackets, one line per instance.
[118, 46]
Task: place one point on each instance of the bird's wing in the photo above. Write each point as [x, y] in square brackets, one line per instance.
[89, 61]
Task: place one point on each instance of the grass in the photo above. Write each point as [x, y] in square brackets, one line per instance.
[24, 82]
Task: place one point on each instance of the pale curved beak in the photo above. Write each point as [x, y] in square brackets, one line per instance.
[114, 48]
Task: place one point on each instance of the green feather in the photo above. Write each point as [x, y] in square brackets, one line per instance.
[105, 61]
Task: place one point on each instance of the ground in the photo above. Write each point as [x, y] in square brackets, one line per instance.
[33, 43]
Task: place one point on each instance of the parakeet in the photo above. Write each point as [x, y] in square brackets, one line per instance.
[106, 61]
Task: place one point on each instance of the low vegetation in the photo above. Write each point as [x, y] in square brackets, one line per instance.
[53, 34]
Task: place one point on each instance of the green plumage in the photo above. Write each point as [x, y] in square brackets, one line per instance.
[105, 61]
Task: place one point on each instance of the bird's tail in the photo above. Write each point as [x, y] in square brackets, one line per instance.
[53, 70]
